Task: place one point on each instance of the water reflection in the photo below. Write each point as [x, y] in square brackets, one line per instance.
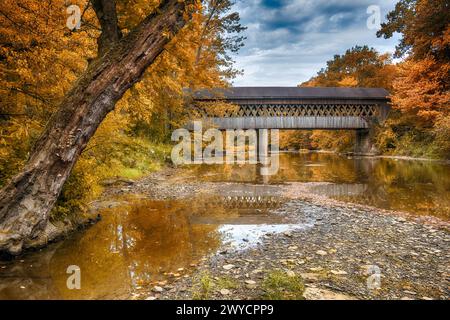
[241, 237]
[419, 187]
[141, 242]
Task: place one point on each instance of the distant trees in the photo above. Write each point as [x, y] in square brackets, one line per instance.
[360, 66]
[419, 85]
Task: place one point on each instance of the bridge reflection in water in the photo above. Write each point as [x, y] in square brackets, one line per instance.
[245, 204]
[418, 187]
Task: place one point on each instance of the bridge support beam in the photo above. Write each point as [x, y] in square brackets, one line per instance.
[364, 145]
[262, 145]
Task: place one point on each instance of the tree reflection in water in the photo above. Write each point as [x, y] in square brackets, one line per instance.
[418, 187]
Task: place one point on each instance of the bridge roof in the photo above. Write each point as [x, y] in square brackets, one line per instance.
[243, 93]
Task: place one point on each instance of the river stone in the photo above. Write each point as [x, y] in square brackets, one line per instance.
[228, 266]
[225, 292]
[339, 272]
[311, 277]
[321, 253]
[290, 273]
[409, 292]
[324, 294]
[250, 284]
[157, 289]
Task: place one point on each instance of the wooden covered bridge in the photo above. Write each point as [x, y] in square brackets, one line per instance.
[295, 108]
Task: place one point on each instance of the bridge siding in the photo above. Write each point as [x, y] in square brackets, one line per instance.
[326, 123]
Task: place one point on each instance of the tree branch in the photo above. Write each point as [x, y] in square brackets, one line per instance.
[106, 13]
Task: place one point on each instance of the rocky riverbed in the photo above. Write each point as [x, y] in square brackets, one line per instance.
[341, 251]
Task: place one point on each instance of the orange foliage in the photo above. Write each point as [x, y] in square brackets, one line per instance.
[420, 89]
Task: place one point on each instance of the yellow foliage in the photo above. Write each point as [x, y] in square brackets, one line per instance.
[348, 82]
[40, 59]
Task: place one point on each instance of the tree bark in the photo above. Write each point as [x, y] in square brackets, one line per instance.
[25, 203]
[106, 13]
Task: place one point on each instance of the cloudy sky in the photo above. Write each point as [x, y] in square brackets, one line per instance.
[288, 41]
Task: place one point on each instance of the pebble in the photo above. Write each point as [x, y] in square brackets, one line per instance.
[290, 273]
[225, 292]
[157, 289]
[339, 272]
[315, 269]
[228, 266]
[409, 292]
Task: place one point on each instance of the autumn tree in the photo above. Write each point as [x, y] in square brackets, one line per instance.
[32, 38]
[199, 58]
[424, 26]
[359, 66]
[221, 33]
[421, 90]
[423, 84]
[122, 58]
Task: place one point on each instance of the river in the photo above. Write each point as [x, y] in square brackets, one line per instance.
[141, 241]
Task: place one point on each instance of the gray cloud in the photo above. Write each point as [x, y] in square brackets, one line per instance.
[288, 41]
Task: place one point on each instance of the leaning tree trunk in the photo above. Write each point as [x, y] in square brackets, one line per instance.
[26, 201]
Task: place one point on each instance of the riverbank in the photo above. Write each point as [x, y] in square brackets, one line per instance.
[334, 260]
[338, 249]
[381, 156]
